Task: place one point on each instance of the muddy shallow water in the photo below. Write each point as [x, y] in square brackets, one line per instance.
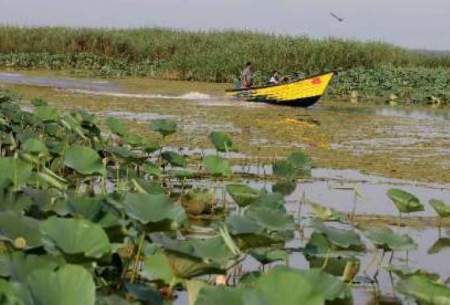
[365, 148]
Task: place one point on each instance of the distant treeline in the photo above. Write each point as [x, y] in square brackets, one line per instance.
[206, 56]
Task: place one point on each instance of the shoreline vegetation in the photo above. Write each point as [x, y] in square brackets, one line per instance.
[367, 70]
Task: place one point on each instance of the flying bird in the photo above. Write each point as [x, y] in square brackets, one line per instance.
[337, 17]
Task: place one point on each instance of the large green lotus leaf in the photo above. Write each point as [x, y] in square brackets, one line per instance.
[221, 141]
[271, 200]
[404, 201]
[424, 290]
[228, 296]
[318, 244]
[439, 245]
[193, 288]
[18, 265]
[285, 187]
[69, 285]
[327, 214]
[157, 268]
[84, 160]
[272, 220]
[145, 293]
[283, 168]
[153, 208]
[35, 147]
[124, 153]
[283, 285]
[440, 207]
[239, 224]
[164, 127]
[174, 159]
[14, 171]
[384, 237]
[14, 293]
[301, 162]
[342, 238]
[75, 237]
[21, 231]
[116, 126]
[151, 169]
[217, 166]
[85, 207]
[268, 255]
[242, 194]
[146, 186]
[46, 113]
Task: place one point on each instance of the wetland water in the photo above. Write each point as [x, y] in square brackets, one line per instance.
[355, 147]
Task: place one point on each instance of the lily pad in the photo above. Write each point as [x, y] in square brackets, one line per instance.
[116, 126]
[301, 162]
[424, 290]
[75, 237]
[35, 147]
[404, 201]
[268, 255]
[221, 141]
[14, 171]
[46, 113]
[20, 231]
[385, 238]
[217, 166]
[242, 194]
[342, 238]
[442, 209]
[439, 245]
[69, 285]
[153, 208]
[164, 127]
[174, 158]
[84, 160]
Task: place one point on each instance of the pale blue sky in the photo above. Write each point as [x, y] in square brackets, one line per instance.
[411, 23]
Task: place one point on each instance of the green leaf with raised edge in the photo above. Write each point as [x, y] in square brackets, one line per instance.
[174, 158]
[164, 127]
[157, 267]
[385, 238]
[69, 285]
[342, 238]
[14, 171]
[404, 201]
[228, 296]
[46, 113]
[242, 194]
[20, 231]
[424, 290]
[151, 169]
[14, 293]
[284, 168]
[84, 160]
[442, 209]
[217, 166]
[270, 219]
[75, 237]
[35, 147]
[116, 126]
[153, 208]
[221, 141]
[268, 255]
[301, 162]
[439, 245]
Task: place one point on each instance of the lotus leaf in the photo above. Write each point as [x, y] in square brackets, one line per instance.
[75, 237]
[442, 209]
[221, 141]
[270, 219]
[69, 285]
[301, 162]
[21, 231]
[151, 169]
[86, 207]
[153, 208]
[217, 166]
[285, 187]
[35, 147]
[385, 238]
[84, 160]
[242, 194]
[14, 171]
[116, 126]
[404, 201]
[268, 255]
[341, 238]
[144, 293]
[439, 245]
[228, 296]
[14, 293]
[424, 290]
[197, 202]
[164, 127]
[283, 168]
[46, 113]
[174, 158]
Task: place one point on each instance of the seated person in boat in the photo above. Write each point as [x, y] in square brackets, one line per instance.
[275, 79]
[247, 76]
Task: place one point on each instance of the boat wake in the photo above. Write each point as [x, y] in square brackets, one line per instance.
[194, 96]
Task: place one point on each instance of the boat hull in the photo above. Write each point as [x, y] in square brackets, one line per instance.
[299, 93]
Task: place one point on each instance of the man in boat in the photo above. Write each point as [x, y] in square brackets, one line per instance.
[275, 79]
[247, 75]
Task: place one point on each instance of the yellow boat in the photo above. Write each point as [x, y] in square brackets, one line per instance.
[301, 93]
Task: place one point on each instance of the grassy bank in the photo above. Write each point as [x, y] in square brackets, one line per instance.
[219, 56]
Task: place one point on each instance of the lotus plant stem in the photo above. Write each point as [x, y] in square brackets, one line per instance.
[137, 258]
[327, 258]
